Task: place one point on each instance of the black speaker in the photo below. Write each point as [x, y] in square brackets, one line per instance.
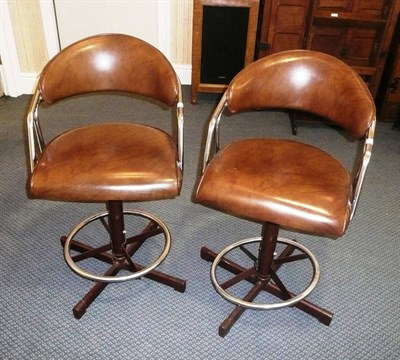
[223, 46]
[224, 36]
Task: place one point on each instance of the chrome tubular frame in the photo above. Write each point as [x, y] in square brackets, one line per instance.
[35, 138]
[213, 135]
[180, 121]
[360, 174]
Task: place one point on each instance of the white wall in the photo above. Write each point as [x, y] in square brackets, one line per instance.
[160, 22]
[149, 20]
[81, 18]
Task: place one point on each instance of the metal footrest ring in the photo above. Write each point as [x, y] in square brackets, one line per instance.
[264, 306]
[136, 274]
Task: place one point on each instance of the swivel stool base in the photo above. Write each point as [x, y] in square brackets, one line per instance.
[117, 253]
[263, 276]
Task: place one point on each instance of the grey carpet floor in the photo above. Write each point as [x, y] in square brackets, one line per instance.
[145, 320]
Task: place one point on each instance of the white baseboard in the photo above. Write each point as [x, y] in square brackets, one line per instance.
[23, 83]
[1, 80]
[27, 83]
[184, 72]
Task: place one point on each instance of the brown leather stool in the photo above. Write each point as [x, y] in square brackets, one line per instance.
[284, 183]
[121, 160]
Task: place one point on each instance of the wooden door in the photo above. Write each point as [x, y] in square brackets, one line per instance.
[361, 46]
[355, 46]
[283, 26]
[375, 8]
[330, 40]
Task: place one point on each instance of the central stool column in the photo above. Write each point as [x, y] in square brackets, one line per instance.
[269, 237]
[117, 229]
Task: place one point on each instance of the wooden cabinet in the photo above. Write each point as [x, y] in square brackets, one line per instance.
[356, 31]
[359, 32]
[388, 99]
[352, 30]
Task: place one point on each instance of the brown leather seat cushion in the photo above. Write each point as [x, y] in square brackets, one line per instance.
[117, 161]
[281, 181]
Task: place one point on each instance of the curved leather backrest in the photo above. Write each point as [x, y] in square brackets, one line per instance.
[109, 62]
[305, 80]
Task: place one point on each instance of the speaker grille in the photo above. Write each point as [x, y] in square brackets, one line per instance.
[224, 40]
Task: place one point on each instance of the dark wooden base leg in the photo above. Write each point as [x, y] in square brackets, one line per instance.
[168, 280]
[80, 308]
[227, 324]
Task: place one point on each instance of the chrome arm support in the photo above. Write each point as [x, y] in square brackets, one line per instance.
[359, 178]
[35, 137]
[213, 135]
[180, 120]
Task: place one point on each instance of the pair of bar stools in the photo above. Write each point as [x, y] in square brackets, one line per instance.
[275, 182]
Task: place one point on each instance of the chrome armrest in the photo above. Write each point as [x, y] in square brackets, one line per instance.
[360, 173]
[213, 134]
[35, 138]
[180, 122]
